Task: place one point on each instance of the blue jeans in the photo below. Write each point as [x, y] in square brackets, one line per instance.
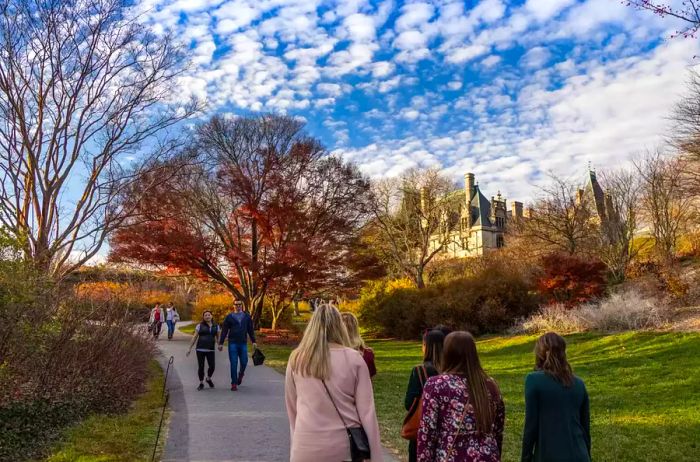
[171, 328]
[236, 352]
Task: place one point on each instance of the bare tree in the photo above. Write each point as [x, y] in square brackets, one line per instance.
[667, 206]
[82, 86]
[562, 219]
[623, 205]
[685, 134]
[415, 216]
[688, 11]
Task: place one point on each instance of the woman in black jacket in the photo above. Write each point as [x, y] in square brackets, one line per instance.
[432, 355]
[206, 335]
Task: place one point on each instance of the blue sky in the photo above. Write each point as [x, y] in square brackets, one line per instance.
[508, 90]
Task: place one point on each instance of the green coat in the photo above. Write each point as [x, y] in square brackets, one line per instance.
[557, 420]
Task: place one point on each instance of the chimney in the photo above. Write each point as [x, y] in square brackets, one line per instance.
[579, 196]
[423, 199]
[517, 208]
[469, 186]
[528, 212]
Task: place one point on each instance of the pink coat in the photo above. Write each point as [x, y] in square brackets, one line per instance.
[316, 430]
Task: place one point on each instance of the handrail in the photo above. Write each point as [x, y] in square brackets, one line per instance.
[166, 395]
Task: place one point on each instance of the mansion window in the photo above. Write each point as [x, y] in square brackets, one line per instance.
[500, 222]
[499, 241]
[465, 243]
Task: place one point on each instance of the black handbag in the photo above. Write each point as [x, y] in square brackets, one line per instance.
[359, 443]
[258, 357]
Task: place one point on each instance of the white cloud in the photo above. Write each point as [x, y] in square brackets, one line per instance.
[467, 53]
[545, 9]
[535, 57]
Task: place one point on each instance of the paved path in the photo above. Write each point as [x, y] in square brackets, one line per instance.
[219, 425]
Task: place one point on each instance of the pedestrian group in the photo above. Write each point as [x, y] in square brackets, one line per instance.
[455, 410]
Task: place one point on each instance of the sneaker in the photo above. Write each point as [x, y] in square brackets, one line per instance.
[200, 387]
[210, 383]
[234, 387]
[240, 377]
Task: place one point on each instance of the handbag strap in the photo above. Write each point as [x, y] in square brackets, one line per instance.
[332, 401]
[450, 447]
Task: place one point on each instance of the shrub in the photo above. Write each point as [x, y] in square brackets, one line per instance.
[571, 280]
[219, 304]
[487, 301]
[626, 310]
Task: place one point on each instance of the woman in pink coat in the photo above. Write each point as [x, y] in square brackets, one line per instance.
[317, 430]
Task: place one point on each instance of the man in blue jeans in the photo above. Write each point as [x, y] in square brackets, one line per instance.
[236, 326]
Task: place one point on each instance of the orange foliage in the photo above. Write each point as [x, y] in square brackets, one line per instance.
[571, 280]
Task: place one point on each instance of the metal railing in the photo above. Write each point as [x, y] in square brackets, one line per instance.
[165, 394]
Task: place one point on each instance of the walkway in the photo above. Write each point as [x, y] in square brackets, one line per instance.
[219, 425]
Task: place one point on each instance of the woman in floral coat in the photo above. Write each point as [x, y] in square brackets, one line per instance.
[463, 411]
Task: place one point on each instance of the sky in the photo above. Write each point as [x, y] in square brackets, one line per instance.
[508, 90]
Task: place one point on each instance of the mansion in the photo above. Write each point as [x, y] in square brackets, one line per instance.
[483, 223]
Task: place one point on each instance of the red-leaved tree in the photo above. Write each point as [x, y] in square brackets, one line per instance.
[261, 201]
[571, 280]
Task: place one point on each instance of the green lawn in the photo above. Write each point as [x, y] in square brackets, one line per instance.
[644, 390]
[188, 329]
[121, 438]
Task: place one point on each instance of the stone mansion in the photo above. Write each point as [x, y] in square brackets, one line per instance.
[483, 223]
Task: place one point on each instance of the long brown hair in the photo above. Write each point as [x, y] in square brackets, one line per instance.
[460, 358]
[433, 341]
[550, 357]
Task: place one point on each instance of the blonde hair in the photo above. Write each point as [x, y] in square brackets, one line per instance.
[353, 328]
[312, 358]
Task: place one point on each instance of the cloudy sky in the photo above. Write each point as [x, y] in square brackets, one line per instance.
[508, 90]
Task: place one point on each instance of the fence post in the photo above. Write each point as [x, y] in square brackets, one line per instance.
[160, 425]
[167, 371]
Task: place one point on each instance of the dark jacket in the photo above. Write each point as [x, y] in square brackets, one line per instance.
[557, 420]
[235, 331]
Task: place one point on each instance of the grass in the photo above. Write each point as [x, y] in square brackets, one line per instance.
[120, 438]
[644, 390]
[188, 329]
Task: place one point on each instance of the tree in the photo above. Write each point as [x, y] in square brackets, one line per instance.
[667, 206]
[414, 218]
[685, 134]
[688, 12]
[623, 201]
[571, 280]
[263, 202]
[82, 86]
[562, 220]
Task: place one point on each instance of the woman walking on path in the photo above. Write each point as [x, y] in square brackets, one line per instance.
[156, 320]
[328, 390]
[432, 355]
[557, 416]
[356, 342]
[463, 411]
[171, 318]
[205, 336]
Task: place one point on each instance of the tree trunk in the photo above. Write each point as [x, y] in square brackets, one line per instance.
[296, 307]
[420, 282]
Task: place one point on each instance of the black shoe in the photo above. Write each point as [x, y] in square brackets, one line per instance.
[200, 387]
[210, 383]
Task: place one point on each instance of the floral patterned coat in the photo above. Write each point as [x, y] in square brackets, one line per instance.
[443, 407]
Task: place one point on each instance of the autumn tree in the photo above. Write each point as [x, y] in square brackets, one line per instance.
[83, 85]
[570, 280]
[263, 202]
[414, 217]
[667, 205]
[623, 203]
[561, 219]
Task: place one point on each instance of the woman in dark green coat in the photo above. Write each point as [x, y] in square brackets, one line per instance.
[432, 355]
[557, 417]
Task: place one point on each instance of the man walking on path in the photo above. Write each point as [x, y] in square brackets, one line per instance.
[236, 327]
